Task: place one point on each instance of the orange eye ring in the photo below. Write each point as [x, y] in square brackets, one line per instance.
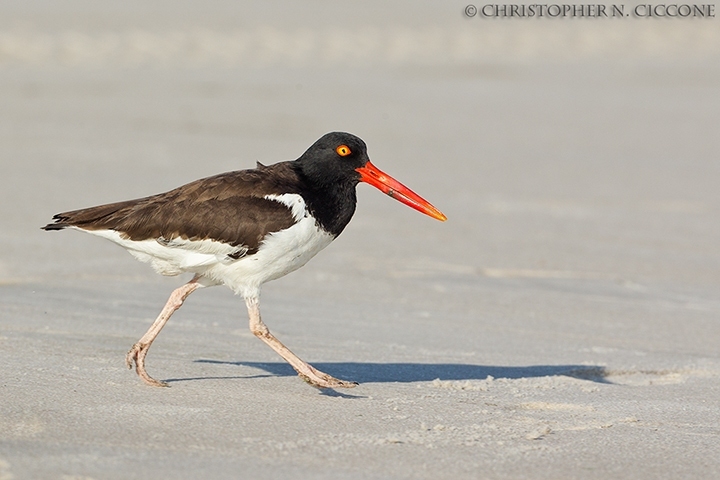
[343, 150]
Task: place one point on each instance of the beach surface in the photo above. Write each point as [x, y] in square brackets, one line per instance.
[563, 323]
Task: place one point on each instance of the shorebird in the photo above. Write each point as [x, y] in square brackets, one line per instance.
[242, 229]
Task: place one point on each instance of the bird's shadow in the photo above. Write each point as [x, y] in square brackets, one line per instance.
[375, 372]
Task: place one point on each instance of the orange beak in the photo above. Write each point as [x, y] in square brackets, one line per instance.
[391, 187]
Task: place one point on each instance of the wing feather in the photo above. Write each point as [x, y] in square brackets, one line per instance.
[229, 209]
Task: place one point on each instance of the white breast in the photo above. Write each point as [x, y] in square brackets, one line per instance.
[280, 253]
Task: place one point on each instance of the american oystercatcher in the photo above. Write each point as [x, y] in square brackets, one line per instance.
[244, 228]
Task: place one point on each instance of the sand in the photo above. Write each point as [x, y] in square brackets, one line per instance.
[563, 323]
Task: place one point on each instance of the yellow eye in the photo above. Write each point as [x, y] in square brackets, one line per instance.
[343, 150]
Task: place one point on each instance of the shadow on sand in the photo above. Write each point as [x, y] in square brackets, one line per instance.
[365, 372]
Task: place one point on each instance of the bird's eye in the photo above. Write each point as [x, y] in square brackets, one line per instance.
[343, 150]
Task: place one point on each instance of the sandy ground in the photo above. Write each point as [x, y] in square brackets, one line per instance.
[564, 322]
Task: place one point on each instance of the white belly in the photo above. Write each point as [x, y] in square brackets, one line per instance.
[279, 254]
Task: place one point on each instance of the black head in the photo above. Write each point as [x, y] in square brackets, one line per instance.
[334, 159]
[331, 169]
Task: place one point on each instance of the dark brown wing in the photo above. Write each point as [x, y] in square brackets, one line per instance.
[229, 207]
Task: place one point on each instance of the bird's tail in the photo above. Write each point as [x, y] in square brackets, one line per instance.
[92, 218]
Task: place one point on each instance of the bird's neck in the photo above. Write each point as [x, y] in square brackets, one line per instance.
[331, 201]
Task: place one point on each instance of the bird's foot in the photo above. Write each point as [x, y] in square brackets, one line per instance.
[136, 356]
[318, 379]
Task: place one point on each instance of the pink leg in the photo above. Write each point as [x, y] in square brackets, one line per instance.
[306, 371]
[138, 351]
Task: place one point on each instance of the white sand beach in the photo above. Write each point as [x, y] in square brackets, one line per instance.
[563, 323]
